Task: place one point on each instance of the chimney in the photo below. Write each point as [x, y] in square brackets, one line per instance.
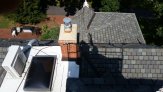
[68, 40]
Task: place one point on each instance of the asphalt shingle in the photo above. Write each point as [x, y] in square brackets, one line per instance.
[108, 27]
[3, 52]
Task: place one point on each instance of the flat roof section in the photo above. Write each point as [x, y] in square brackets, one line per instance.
[40, 75]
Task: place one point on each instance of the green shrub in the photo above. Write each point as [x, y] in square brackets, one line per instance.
[50, 34]
[5, 22]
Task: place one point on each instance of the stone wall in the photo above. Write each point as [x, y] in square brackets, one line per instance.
[143, 63]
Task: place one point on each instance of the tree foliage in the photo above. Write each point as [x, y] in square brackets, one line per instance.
[152, 27]
[109, 5]
[30, 11]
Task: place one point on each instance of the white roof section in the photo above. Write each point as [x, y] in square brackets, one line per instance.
[63, 70]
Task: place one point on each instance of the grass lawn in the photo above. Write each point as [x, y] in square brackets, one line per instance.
[4, 22]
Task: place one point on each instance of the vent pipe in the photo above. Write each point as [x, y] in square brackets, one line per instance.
[67, 25]
[29, 45]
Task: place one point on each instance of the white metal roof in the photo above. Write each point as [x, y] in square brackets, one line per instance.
[63, 70]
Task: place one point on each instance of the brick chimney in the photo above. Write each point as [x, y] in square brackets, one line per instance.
[68, 40]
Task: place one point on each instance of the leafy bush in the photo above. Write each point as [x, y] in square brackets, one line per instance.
[50, 34]
[4, 22]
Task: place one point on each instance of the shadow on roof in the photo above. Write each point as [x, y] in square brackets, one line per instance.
[98, 73]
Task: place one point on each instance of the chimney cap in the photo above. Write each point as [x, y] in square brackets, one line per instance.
[67, 20]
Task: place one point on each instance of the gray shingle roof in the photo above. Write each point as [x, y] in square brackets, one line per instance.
[21, 42]
[3, 52]
[108, 27]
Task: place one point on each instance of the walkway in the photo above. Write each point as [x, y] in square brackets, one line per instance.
[6, 34]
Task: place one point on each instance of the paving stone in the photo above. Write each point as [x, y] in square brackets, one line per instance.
[145, 66]
[129, 74]
[155, 75]
[143, 53]
[160, 66]
[133, 70]
[4, 49]
[133, 62]
[145, 75]
[125, 74]
[133, 53]
[142, 70]
[3, 56]
[153, 71]
[147, 71]
[155, 66]
[154, 53]
[140, 75]
[128, 53]
[161, 58]
[150, 66]
[138, 62]
[153, 50]
[149, 53]
[141, 57]
[1, 49]
[140, 66]
[125, 57]
[125, 66]
[131, 57]
[118, 50]
[135, 75]
[1, 60]
[136, 66]
[138, 70]
[128, 70]
[144, 62]
[153, 62]
[161, 62]
[131, 66]
[158, 62]
[124, 53]
[160, 75]
[140, 50]
[145, 58]
[158, 71]
[155, 57]
[158, 53]
[128, 62]
[136, 57]
[151, 57]
[150, 75]
[139, 53]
